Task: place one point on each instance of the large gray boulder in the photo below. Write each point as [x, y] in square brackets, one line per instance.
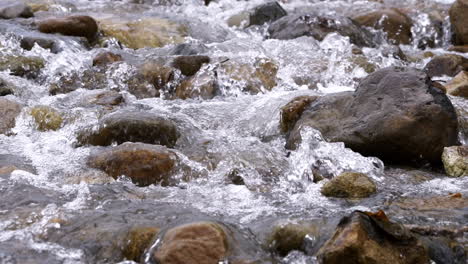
[395, 114]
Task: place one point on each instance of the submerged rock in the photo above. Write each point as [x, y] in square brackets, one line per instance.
[203, 84]
[46, 118]
[260, 15]
[14, 10]
[6, 88]
[138, 240]
[144, 32]
[286, 238]
[28, 42]
[108, 98]
[458, 21]
[458, 86]
[201, 242]
[369, 238]
[21, 66]
[447, 64]
[105, 58]
[150, 80]
[145, 164]
[392, 21]
[79, 26]
[455, 161]
[132, 126]
[319, 26]
[395, 114]
[9, 110]
[349, 185]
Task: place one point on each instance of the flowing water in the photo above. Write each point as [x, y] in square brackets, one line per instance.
[235, 130]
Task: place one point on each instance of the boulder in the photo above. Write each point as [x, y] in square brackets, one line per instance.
[145, 164]
[9, 110]
[28, 67]
[371, 238]
[14, 10]
[79, 26]
[392, 21]
[138, 239]
[143, 32]
[447, 64]
[458, 86]
[201, 242]
[458, 21]
[292, 111]
[133, 126]
[395, 114]
[105, 58]
[46, 118]
[319, 26]
[455, 161]
[349, 185]
[260, 15]
[189, 65]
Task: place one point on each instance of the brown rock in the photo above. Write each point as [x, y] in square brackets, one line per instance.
[145, 164]
[106, 58]
[292, 111]
[288, 237]
[447, 64]
[137, 241]
[108, 98]
[150, 80]
[458, 86]
[459, 20]
[349, 185]
[9, 110]
[461, 49]
[365, 239]
[79, 26]
[395, 23]
[201, 243]
[189, 65]
[136, 126]
[203, 85]
[436, 203]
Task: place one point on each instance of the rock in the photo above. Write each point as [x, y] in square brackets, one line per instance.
[447, 64]
[318, 26]
[201, 242]
[21, 66]
[203, 85]
[9, 110]
[286, 238]
[392, 21]
[105, 58]
[455, 161]
[108, 98]
[260, 15]
[349, 185]
[144, 32]
[362, 62]
[6, 88]
[292, 111]
[458, 21]
[79, 26]
[28, 43]
[151, 78]
[461, 49]
[189, 65]
[138, 239]
[258, 77]
[363, 238]
[188, 49]
[91, 79]
[458, 86]
[11, 10]
[145, 164]
[436, 203]
[395, 114]
[46, 118]
[133, 126]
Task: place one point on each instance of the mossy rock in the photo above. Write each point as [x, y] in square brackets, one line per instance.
[21, 65]
[46, 118]
[137, 241]
[362, 62]
[455, 161]
[349, 185]
[144, 33]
